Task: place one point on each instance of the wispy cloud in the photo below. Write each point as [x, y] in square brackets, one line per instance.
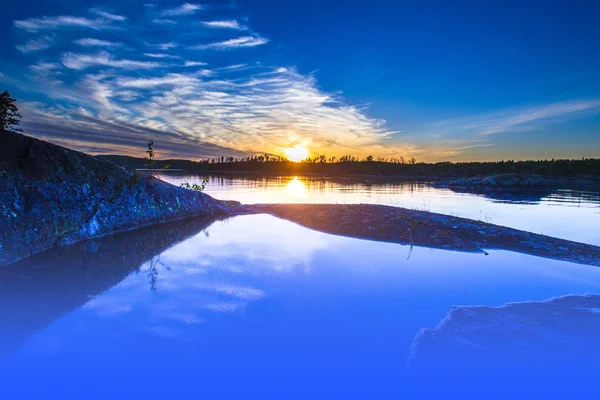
[469, 135]
[162, 46]
[34, 45]
[184, 9]
[516, 119]
[229, 24]
[244, 41]
[79, 128]
[164, 21]
[166, 46]
[63, 21]
[104, 59]
[108, 15]
[231, 67]
[550, 113]
[160, 55]
[167, 80]
[195, 63]
[257, 112]
[45, 67]
[91, 42]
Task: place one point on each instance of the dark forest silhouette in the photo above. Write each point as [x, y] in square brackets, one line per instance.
[350, 165]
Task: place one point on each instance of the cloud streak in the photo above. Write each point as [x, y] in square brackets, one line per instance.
[63, 21]
[160, 55]
[227, 24]
[184, 9]
[168, 80]
[78, 129]
[512, 120]
[103, 59]
[164, 21]
[244, 41]
[44, 67]
[550, 113]
[195, 63]
[34, 45]
[91, 42]
[110, 16]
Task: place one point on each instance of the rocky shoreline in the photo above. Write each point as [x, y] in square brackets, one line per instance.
[514, 183]
[427, 229]
[52, 196]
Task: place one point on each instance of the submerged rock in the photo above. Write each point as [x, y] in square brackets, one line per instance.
[51, 196]
[517, 339]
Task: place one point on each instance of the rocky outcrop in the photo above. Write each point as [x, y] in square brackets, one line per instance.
[496, 182]
[427, 229]
[51, 196]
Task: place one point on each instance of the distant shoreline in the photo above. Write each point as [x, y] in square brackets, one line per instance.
[552, 171]
[580, 183]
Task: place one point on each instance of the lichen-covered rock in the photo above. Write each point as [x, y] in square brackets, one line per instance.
[50, 196]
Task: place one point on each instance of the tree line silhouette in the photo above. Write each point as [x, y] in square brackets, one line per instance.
[322, 159]
[350, 165]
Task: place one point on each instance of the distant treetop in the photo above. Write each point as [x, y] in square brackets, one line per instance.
[9, 113]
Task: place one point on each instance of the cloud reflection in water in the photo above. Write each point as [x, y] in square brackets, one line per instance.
[215, 271]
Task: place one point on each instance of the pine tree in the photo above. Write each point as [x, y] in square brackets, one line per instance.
[9, 113]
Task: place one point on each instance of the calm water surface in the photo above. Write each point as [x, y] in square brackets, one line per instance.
[568, 214]
[254, 306]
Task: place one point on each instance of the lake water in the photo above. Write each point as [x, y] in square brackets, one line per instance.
[567, 214]
[254, 306]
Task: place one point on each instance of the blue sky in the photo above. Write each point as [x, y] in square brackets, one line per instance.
[435, 80]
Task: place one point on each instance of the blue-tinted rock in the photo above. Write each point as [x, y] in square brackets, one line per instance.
[51, 196]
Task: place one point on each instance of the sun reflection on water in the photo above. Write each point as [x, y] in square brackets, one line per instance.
[296, 189]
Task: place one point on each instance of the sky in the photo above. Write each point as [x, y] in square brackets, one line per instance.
[434, 80]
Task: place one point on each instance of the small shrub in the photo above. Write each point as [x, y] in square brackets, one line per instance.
[194, 186]
[134, 179]
[151, 161]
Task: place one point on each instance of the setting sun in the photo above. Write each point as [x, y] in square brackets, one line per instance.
[296, 153]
